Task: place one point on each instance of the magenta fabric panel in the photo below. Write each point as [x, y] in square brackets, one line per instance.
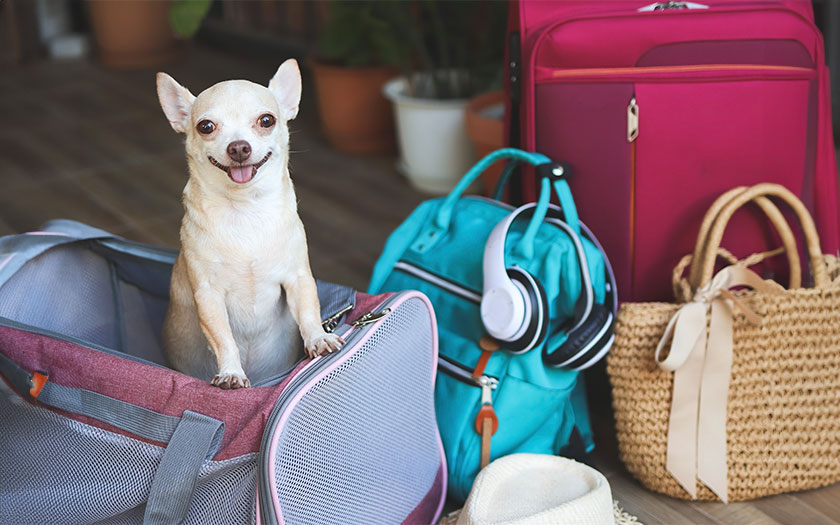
[243, 411]
[584, 125]
[764, 52]
[590, 33]
[826, 187]
[687, 154]
[426, 511]
[621, 40]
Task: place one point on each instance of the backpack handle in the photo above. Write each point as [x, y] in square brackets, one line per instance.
[553, 175]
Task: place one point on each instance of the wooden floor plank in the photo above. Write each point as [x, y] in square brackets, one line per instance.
[788, 509]
[739, 512]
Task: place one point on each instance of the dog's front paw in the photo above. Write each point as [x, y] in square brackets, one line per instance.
[323, 344]
[230, 381]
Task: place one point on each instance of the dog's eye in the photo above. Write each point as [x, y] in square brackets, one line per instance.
[206, 127]
[267, 120]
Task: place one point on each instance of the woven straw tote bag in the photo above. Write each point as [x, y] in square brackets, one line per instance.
[733, 395]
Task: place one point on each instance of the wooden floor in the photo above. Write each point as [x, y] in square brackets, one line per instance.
[81, 142]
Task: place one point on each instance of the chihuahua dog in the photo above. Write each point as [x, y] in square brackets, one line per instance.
[242, 280]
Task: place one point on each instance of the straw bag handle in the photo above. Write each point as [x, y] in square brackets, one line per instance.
[773, 214]
[812, 241]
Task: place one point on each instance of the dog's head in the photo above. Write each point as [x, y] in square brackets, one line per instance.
[234, 128]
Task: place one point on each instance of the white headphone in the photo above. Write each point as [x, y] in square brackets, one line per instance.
[514, 307]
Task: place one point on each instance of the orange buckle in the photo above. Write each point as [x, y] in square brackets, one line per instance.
[38, 381]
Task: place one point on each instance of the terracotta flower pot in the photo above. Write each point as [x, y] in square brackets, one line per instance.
[356, 118]
[133, 33]
[484, 121]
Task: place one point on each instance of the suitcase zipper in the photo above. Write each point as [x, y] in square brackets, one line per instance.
[632, 134]
[641, 74]
[350, 334]
[670, 5]
[632, 120]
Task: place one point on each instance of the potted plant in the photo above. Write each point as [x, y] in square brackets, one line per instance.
[458, 48]
[143, 33]
[358, 52]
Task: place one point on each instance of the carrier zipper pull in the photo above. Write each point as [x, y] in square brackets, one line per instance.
[632, 120]
[331, 322]
[370, 317]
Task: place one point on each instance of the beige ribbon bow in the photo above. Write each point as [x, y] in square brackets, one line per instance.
[696, 447]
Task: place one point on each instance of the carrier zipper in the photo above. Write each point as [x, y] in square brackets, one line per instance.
[350, 334]
[330, 323]
[369, 318]
[440, 282]
[11, 323]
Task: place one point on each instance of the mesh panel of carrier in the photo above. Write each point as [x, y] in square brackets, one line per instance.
[57, 470]
[342, 456]
[67, 290]
[75, 291]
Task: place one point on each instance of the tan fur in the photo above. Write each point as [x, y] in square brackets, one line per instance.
[242, 280]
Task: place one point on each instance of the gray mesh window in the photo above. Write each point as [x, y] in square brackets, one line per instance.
[56, 470]
[362, 443]
[86, 291]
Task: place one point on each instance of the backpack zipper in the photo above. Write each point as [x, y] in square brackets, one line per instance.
[438, 281]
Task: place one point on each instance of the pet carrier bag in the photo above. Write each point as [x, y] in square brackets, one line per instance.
[530, 389]
[94, 429]
[658, 107]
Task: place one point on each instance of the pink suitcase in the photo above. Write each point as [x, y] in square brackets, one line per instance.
[659, 108]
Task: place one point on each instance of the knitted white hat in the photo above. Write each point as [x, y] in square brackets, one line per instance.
[526, 489]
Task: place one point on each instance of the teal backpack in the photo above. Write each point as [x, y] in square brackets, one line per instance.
[526, 404]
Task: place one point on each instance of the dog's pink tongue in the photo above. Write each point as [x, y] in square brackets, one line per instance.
[241, 174]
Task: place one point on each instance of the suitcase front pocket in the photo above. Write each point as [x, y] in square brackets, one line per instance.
[651, 147]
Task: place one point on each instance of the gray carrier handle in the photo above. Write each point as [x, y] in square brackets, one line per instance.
[191, 439]
[17, 250]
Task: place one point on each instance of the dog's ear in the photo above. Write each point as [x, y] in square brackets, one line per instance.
[285, 84]
[176, 101]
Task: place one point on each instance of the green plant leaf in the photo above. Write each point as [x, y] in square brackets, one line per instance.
[185, 16]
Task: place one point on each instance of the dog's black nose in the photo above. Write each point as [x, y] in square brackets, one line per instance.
[239, 150]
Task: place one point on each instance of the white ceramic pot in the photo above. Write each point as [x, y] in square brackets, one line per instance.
[434, 147]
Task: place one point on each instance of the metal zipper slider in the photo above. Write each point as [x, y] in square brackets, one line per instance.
[632, 120]
[671, 5]
[330, 323]
[488, 384]
[370, 317]
[486, 422]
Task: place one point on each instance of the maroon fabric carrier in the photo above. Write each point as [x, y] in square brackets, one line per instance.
[94, 428]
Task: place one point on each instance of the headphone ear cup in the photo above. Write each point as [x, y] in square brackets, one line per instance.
[536, 311]
[589, 341]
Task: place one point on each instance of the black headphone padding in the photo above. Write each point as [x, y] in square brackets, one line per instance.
[538, 321]
[574, 352]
